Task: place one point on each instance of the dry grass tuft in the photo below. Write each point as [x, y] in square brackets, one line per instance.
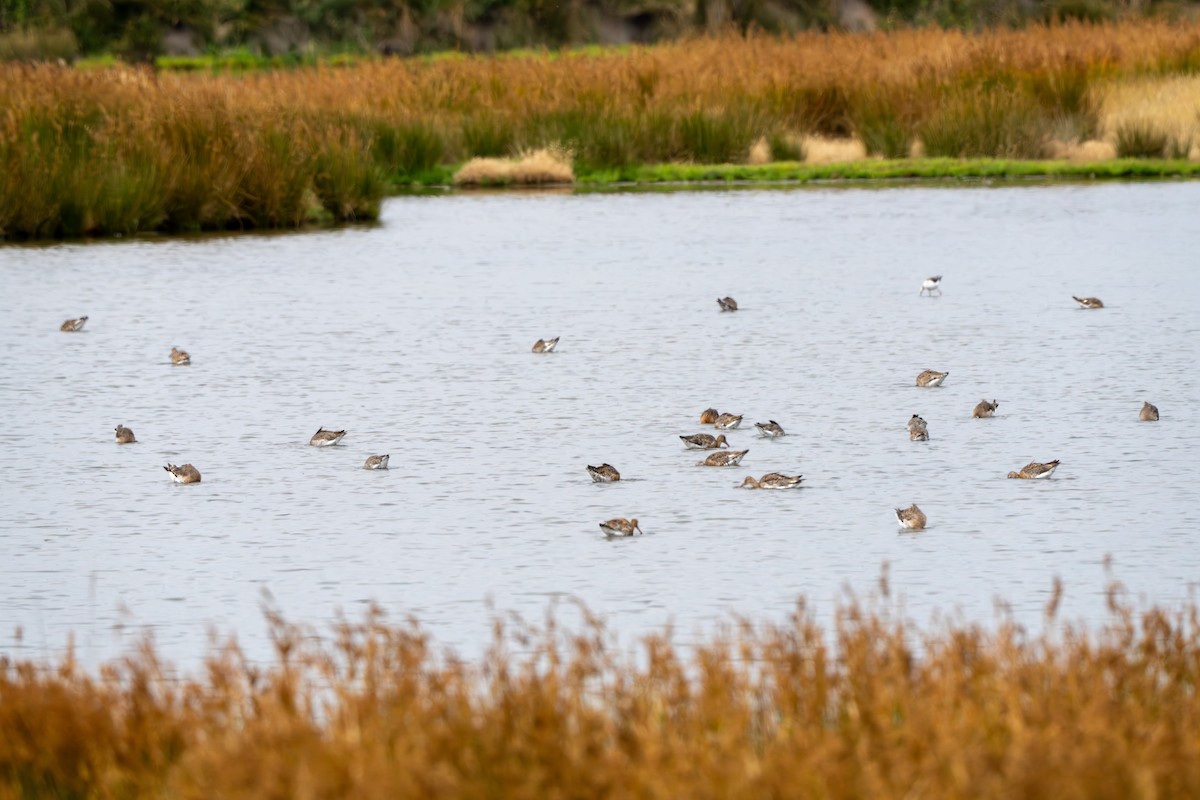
[1167, 106]
[485, 172]
[544, 165]
[547, 165]
[819, 150]
[868, 707]
[760, 152]
[1091, 150]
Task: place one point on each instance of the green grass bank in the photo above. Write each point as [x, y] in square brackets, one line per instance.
[873, 173]
[894, 169]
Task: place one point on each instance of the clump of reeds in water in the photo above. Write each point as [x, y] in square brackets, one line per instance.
[120, 150]
[871, 706]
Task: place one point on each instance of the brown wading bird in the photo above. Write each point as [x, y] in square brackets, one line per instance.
[727, 422]
[376, 462]
[723, 458]
[124, 435]
[324, 438]
[180, 358]
[1035, 471]
[708, 416]
[1149, 413]
[73, 325]
[1088, 302]
[183, 474]
[931, 378]
[704, 441]
[605, 473]
[545, 345]
[770, 429]
[985, 409]
[620, 527]
[918, 434]
[773, 480]
[727, 303]
[916, 422]
[911, 517]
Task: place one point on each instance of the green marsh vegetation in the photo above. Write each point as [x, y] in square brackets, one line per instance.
[897, 169]
[120, 150]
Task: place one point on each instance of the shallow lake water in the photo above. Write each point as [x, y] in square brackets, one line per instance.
[415, 335]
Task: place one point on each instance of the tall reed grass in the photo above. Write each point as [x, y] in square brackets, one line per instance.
[872, 706]
[1155, 116]
[117, 153]
[117, 150]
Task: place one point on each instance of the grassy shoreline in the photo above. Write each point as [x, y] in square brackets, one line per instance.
[909, 171]
[898, 173]
[888, 170]
[681, 177]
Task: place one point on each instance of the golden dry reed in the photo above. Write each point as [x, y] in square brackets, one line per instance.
[872, 708]
[540, 167]
[120, 150]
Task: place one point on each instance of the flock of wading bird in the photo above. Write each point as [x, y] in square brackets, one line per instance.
[912, 517]
[186, 473]
[918, 431]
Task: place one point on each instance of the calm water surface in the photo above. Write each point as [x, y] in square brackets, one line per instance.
[415, 336]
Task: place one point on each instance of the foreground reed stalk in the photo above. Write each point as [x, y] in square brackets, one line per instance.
[120, 150]
[872, 708]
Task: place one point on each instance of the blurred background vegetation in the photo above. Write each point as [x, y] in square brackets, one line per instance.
[249, 32]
